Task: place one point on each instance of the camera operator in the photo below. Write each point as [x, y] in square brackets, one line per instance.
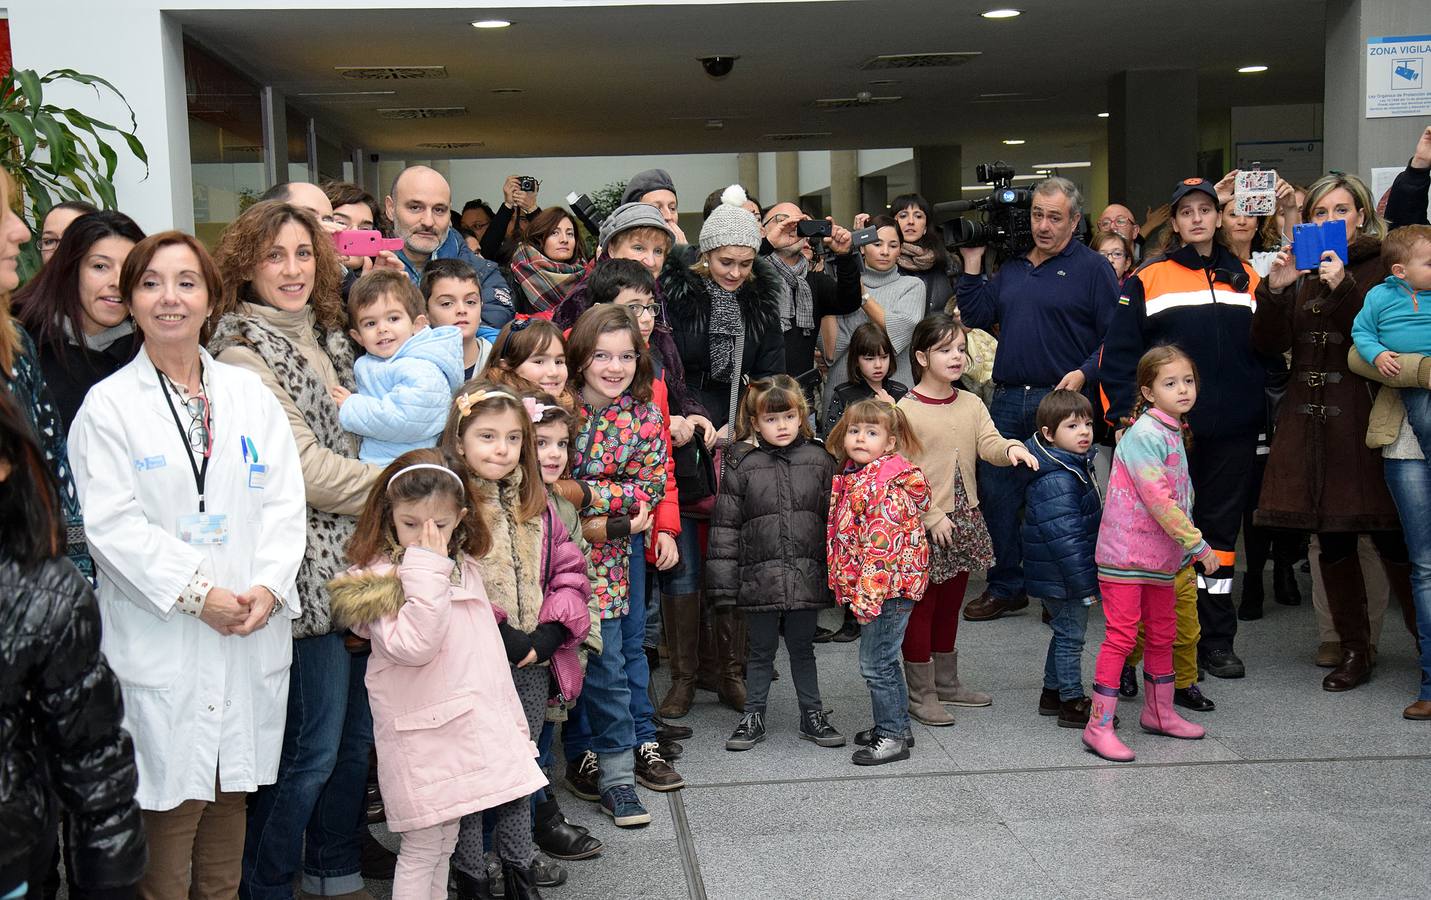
[498, 241]
[806, 295]
[1052, 305]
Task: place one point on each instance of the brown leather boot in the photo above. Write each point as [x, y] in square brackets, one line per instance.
[730, 632]
[682, 618]
[1346, 598]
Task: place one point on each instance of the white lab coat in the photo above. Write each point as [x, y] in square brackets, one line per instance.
[196, 702]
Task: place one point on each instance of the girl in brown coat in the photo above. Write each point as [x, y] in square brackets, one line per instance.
[1321, 477]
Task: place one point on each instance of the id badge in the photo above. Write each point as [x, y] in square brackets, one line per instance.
[257, 476]
[204, 529]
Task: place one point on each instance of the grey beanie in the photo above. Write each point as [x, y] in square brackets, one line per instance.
[730, 224]
[631, 215]
[643, 183]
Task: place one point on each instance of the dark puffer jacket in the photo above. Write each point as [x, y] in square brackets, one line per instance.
[60, 735]
[766, 551]
[1062, 511]
[688, 307]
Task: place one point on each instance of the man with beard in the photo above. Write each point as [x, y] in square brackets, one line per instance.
[419, 207]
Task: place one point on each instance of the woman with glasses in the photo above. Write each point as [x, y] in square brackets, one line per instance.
[56, 221]
[193, 495]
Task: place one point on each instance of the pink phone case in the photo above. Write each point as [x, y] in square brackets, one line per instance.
[365, 243]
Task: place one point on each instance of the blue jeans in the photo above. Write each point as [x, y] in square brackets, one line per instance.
[607, 702]
[1062, 667]
[322, 775]
[880, 664]
[633, 648]
[1410, 484]
[1001, 488]
[1418, 416]
[653, 608]
[685, 578]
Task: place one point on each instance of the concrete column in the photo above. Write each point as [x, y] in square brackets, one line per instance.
[274, 111]
[845, 185]
[747, 167]
[1355, 143]
[787, 177]
[1097, 196]
[1152, 135]
[939, 172]
[388, 169]
[141, 52]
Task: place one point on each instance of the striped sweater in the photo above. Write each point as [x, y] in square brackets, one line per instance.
[1147, 531]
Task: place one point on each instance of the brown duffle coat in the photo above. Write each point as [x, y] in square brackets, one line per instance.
[1321, 476]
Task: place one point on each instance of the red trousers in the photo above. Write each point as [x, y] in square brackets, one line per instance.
[934, 623]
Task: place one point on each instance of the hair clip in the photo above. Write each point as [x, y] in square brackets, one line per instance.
[465, 402]
[536, 409]
[520, 322]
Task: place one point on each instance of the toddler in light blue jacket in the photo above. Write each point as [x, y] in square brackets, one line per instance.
[408, 375]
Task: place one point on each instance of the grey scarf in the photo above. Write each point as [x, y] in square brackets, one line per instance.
[101, 342]
[797, 304]
[723, 329]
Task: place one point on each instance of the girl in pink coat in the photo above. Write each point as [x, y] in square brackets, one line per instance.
[537, 579]
[451, 735]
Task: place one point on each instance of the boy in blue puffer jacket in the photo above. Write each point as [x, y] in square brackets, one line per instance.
[406, 378]
[1062, 512]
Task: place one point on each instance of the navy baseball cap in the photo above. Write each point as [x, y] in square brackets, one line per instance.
[1188, 185]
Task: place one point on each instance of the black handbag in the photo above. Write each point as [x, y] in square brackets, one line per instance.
[696, 476]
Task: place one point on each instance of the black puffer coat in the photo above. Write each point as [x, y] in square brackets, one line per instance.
[766, 551]
[1062, 512]
[688, 308]
[60, 735]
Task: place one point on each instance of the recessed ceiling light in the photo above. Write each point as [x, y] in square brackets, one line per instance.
[1000, 13]
[1252, 70]
[1102, 115]
[1014, 142]
[491, 23]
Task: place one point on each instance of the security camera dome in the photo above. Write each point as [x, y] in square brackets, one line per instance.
[718, 66]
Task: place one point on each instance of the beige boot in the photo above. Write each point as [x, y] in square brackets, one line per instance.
[946, 683]
[924, 706]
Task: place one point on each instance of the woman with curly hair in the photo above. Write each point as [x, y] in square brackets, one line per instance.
[281, 317]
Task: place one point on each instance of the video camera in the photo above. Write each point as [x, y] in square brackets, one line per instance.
[1005, 224]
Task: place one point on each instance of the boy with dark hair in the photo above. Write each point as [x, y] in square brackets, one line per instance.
[1062, 512]
[407, 376]
[613, 278]
[452, 296]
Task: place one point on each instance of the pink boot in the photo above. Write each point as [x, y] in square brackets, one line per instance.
[1098, 734]
[1158, 716]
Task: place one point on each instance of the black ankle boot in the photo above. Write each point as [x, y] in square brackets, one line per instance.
[518, 884]
[470, 887]
[1250, 609]
[560, 839]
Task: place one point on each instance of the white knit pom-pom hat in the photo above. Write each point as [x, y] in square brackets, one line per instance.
[730, 224]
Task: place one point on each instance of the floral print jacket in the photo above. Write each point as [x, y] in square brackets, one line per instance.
[621, 461]
[876, 540]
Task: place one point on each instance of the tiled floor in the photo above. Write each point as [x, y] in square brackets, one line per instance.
[1295, 792]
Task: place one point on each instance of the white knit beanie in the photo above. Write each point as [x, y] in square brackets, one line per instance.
[730, 224]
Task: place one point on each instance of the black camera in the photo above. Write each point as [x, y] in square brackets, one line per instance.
[527, 183]
[814, 228]
[1005, 224]
[585, 210]
[863, 237]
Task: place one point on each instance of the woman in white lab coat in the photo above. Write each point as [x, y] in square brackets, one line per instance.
[193, 498]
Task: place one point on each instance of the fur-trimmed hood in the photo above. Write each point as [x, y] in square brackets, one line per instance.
[688, 307]
[361, 596]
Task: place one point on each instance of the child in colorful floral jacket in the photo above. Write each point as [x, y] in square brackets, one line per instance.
[879, 560]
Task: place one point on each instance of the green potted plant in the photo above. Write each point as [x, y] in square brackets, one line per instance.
[58, 153]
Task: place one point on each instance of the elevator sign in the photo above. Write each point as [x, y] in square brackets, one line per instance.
[1396, 74]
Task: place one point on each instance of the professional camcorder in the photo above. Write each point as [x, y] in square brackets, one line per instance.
[1005, 222]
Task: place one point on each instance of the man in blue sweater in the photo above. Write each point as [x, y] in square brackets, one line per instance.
[1052, 306]
[420, 208]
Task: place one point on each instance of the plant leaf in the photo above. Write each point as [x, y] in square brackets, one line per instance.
[30, 88]
[93, 81]
[59, 141]
[20, 125]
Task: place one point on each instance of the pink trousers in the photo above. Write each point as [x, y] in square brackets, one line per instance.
[1124, 605]
[422, 862]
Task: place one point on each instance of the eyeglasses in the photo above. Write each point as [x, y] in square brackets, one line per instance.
[642, 309]
[198, 432]
[1114, 254]
[601, 357]
[1121, 222]
[49, 243]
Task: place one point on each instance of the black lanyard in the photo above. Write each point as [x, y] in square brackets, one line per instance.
[201, 473]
